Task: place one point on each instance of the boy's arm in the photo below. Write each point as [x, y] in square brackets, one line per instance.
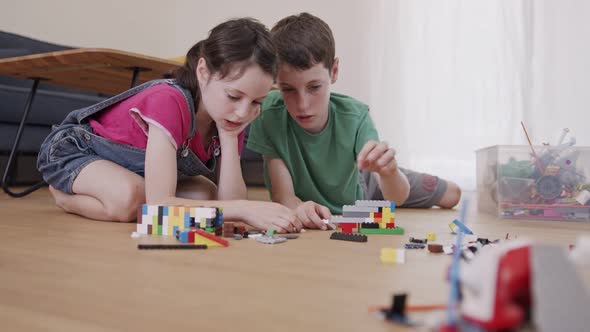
[379, 158]
[309, 213]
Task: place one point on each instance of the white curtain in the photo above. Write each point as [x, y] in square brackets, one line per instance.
[449, 77]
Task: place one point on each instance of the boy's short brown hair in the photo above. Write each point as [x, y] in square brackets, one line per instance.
[304, 40]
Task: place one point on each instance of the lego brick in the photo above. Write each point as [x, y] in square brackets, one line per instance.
[435, 248]
[347, 228]
[340, 219]
[457, 225]
[372, 225]
[391, 231]
[413, 240]
[270, 240]
[356, 214]
[355, 208]
[183, 236]
[289, 236]
[374, 203]
[430, 236]
[390, 225]
[228, 230]
[212, 239]
[391, 255]
[414, 246]
[160, 215]
[240, 229]
[348, 237]
[170, 246]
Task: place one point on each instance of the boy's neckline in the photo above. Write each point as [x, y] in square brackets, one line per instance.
[326, 128]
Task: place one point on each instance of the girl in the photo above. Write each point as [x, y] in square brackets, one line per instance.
[163, 142]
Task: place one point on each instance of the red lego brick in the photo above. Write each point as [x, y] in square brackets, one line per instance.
[390, 225]
[191, 237]
[347, 227]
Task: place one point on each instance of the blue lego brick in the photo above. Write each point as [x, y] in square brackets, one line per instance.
[165, 211]
[183, 237]
[462, 227]
[144, 209]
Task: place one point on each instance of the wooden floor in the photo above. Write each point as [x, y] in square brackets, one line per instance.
[60, 272]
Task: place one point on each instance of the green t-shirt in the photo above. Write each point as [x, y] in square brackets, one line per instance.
[322, 166]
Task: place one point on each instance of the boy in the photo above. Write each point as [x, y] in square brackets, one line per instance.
[321, 149]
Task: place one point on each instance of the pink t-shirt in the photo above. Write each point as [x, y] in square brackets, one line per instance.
[126, 122]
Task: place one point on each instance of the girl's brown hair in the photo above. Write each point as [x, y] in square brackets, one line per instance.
[230, 46]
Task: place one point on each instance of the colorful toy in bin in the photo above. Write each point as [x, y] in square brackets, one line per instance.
[535, 182]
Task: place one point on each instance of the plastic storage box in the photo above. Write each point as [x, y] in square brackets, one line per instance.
[554, 185]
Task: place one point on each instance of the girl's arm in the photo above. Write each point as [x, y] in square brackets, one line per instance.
[230, 182]
[160, 189]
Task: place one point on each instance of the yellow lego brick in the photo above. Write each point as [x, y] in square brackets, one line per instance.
[392, 256]
[431, 236]
[210, 243]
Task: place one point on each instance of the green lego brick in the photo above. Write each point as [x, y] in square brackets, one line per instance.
[159, 229]
[392, 231]
[210, 230]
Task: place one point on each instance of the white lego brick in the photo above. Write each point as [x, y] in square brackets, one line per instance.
[401, 256]
[342, 220]
[583, 197]
[165, 226]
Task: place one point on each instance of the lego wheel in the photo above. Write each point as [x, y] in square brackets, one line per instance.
[548, 187]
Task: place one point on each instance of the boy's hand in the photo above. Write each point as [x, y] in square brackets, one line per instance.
[267, 215]
[310, 214]
[377, 157]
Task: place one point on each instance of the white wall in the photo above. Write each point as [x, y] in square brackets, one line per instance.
[561, 70]
[169, 28]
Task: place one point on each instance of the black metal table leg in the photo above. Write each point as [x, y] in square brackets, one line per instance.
[136, 71]
[12, 156]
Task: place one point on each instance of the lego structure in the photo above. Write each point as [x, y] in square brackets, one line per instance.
[368, 217]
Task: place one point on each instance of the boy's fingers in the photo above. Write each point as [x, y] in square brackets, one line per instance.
[323, 211]
[377, 152]
[282, 226]
[386, 158]
[297, 224]
[302, 217]
[365, 151]
[313, 216]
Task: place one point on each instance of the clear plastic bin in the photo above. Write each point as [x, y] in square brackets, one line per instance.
[513, 184]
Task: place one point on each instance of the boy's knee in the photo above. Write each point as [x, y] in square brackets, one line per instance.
[451, 197]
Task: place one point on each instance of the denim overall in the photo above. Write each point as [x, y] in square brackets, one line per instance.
[72, 145]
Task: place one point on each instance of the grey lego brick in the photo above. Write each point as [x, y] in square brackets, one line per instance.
[354, 208]
[373, 203]
[355, 214]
